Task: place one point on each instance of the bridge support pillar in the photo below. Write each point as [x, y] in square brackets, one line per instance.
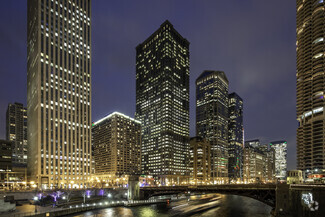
[300, 200]
[133, 188]
[282, 205]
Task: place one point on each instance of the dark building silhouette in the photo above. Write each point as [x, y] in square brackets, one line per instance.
[212, 119]
[310, 85]
[16, 130]
[162, 103]
[6, 155]
[235, 137]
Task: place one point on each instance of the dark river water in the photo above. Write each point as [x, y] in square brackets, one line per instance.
[205, 205]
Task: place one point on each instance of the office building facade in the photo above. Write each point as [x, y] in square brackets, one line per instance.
[16, 131]
[212, 119]
[6, 155]
[235, 137]
[258, 164]
[280, 151]
[200, 161]
[310, 85]
[162, 104]
[253, 165]
[117, 147]
[59, 92]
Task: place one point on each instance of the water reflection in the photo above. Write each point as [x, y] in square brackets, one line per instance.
[195, 206]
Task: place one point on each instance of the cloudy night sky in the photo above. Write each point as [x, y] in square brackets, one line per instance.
[252, 41]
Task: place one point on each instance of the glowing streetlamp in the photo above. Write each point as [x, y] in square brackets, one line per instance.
[35, 199]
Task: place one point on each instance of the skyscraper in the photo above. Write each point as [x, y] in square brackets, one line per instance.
[117, 147]
[235, 137]
[310, 85]
[280, 150]
[212, 119]
[16, 124]
[162, 103]
[59, 92]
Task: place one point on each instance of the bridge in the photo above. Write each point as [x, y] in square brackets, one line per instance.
[286, 200]
[263, 193]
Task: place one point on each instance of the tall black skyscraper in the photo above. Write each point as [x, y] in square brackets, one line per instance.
[235, 137]
[212, 119]
[162, 103]
[16, 124]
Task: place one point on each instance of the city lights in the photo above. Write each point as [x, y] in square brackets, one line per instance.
[184, 157]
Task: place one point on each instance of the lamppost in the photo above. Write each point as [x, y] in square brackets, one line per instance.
[86, 194]
[35, 200]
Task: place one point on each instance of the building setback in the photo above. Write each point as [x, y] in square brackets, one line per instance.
[116, 146]
[162, 104]
[310, 85]
[16, 131]
[280, 150]
[200, 161]
[235, 137]
[212, 119]
[59, 92]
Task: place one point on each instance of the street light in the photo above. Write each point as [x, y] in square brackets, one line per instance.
[35, 199]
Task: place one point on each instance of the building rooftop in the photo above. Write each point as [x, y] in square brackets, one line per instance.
[167, 22]
[115, 113]
[206, 73]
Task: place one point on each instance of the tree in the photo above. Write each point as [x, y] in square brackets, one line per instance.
[56, 195]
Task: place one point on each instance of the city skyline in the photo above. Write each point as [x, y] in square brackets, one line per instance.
[266, 129]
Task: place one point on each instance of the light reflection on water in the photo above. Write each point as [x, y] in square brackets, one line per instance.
[222, 206]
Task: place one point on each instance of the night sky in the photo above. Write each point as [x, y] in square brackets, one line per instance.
[253, 41]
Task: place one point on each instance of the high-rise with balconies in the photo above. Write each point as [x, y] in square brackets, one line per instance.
[162, 104]
[59, 92]
[310, 85]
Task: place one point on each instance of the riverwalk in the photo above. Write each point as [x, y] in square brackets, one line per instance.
[49, 211]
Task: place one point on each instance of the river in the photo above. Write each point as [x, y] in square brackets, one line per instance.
[195, 206]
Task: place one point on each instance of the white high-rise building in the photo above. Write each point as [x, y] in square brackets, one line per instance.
[59, 92]
[280, 149]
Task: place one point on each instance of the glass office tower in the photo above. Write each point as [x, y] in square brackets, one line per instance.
[212, 119]
[235, 137]
[162, 104]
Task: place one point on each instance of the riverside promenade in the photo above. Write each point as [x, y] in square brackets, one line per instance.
[49, 211]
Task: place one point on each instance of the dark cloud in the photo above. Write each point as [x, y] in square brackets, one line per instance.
[253, 41]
